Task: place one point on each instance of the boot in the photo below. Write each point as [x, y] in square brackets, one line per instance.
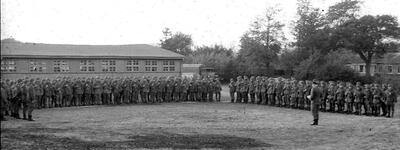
[315, 122]
[30, 118]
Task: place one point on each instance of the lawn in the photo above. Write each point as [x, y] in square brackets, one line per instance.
[190, 125]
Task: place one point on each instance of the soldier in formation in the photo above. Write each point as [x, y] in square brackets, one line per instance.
[338, 97]
[23, 95]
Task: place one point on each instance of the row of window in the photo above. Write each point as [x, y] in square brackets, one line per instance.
[389, 68]
[89, 66]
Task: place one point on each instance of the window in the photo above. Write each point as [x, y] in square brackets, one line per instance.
[8, 65]
[361, 68]
[147, 62]
[153, 68]
[108, 65]
[375, 68]
[398, 69]
[165, 68]
[154, 62]
[61, 66]
[87, 65]
[168, 65]
[132, 62]
[37, 66]
[165, 62]
[132, 65]
[131, 68]
[390, 69]
[147, 68]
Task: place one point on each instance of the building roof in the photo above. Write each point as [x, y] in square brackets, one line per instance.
[388, 58]
[39, 50]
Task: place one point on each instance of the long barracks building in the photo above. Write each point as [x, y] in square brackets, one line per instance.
[33, 60]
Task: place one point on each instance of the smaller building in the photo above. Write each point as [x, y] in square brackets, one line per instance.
[195, 70]
[388, 65]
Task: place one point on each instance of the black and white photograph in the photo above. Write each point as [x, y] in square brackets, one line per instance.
[200, 74]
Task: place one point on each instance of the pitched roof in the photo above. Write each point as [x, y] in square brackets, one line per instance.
[388, 58]
[18, 49]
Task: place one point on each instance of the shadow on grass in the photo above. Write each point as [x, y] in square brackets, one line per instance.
[17, 139]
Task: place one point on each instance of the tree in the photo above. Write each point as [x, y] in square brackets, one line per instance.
[343, 11]
[367, 36]
[310, 29]
[177, 42]
[260, 45]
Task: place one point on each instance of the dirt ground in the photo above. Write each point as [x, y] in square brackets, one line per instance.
[189, 125]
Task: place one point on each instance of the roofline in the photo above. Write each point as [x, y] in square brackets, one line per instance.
[74, 57]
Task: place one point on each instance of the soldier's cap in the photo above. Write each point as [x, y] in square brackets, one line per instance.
[315, 81]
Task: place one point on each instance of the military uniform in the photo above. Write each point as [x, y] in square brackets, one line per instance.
[331, 96]
[232, 90]
[169, 89]
[210, 90]
[377, 93]
[293, 95]
[368, 97]
[315, 98]
[146, 90]
[300, 95]
[88, 93]
[358, 99]
[218, 89]
[106, 93]
[4, 102]
[307, 91]
[340, 98]
[28, 102]
[252, 88]
[264, 89]
[286, 95]
[279, 93]
[349, 98]
[244, 88]
[78, 92]
[391, 99]
[184, 91]
[324, 98]
[97, 88]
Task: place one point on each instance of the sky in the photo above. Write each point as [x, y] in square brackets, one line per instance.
[114, 22]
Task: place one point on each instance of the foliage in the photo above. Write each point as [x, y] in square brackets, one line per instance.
[177, 42]
[366, 36]
[215, 56]
[327, 67]
[260, 45]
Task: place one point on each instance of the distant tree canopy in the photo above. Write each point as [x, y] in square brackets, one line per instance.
[318, 33]
[366, 36]
[324, 41]
[177, 42]
[260, 45]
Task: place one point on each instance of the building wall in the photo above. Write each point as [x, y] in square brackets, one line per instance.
[383, 69]
[24, 68]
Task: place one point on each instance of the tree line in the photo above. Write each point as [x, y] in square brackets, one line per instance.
[325, 40]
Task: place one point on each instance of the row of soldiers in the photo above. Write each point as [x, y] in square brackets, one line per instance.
[69, 91]
[340, 97]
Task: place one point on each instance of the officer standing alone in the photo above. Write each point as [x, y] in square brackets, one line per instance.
[315, 99]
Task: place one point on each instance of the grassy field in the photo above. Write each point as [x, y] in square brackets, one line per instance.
[197, 125]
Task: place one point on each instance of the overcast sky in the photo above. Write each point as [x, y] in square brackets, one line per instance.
[142, 21]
